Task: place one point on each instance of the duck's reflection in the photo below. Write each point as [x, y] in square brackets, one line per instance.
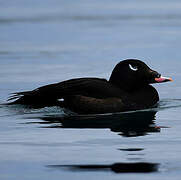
[128, 124]
[139, 167]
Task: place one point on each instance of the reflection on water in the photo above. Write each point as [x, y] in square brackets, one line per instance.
[139, 167]
[132, 149]
[128, 124]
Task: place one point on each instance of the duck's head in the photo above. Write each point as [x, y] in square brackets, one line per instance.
[132, 74]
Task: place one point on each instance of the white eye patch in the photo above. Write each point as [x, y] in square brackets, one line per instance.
[61, 100]
[134, 68]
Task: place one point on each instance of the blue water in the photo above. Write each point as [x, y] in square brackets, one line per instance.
[47, 41]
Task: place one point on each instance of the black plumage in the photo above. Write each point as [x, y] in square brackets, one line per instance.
[127, 89]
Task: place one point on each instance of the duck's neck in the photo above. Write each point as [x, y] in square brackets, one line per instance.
[142, 96]
[125, 85]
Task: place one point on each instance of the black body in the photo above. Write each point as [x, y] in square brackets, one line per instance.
[127, 89]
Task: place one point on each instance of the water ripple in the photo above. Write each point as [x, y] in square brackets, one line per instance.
[61, 17]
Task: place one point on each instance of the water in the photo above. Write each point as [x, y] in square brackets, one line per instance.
[47, 41]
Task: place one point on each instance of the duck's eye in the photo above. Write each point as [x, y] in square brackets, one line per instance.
[158, 75]
[134, 68]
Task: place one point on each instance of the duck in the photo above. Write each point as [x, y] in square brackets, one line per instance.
[128, 88]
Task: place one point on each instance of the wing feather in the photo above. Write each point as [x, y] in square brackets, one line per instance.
[48, 95]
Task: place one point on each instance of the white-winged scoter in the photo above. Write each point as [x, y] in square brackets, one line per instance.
[127, 89]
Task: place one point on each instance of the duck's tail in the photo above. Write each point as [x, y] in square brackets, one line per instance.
[29, 98]
[19, 97]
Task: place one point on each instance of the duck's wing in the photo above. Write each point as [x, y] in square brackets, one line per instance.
[49, 94]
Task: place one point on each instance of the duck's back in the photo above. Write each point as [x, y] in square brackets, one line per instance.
[49, 94]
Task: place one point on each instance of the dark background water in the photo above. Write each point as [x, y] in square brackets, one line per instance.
[47, 41]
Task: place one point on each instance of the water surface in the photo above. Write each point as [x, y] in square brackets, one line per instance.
[47, 41]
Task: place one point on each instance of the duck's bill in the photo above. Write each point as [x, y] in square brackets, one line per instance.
[162, 79]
